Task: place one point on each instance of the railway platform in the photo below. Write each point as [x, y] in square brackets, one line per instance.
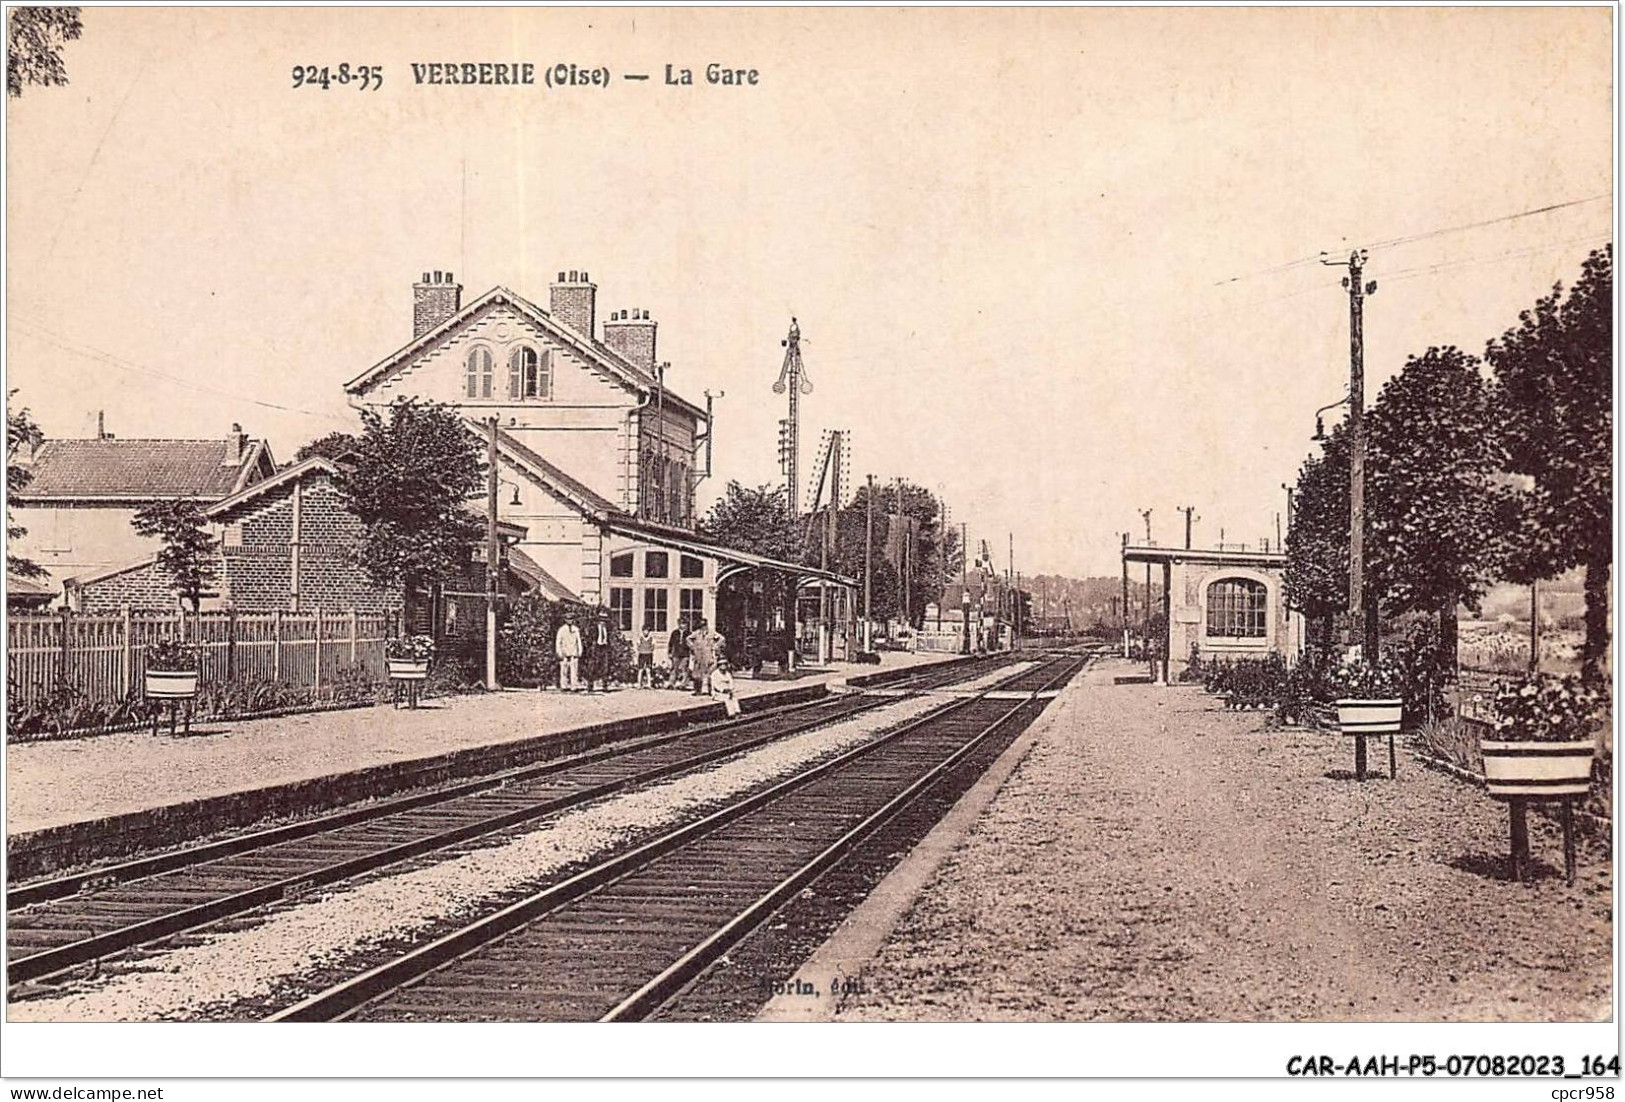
[91, 799]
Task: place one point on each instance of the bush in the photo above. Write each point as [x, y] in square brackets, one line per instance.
[171, 655]
[1547, 708]
[525, 641]
[410, 648]
[1424, 669]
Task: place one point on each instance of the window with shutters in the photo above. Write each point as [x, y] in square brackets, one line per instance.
[479, 367]
[530, 374]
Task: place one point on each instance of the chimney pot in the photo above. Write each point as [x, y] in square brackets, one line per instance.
[574, 302]
[434, 301]
[585, 278]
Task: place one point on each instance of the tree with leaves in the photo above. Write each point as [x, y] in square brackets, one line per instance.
[335, 445]
[1555, 393]
[756, 520]
[35, 49]
[409, 481]
[1317, 543]
[1433, 490]
[21, 432]
[188, 555]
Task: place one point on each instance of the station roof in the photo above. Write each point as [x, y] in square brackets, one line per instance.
[1150, 553]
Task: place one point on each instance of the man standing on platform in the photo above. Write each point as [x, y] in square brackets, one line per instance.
[702, 656]
[567, 646]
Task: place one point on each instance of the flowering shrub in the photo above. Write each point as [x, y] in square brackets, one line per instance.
[410, 648]
[170, 655]
[1547, 708]
[1357, 679]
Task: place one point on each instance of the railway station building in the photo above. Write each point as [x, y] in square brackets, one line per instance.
[598, 460]
[1219, 604]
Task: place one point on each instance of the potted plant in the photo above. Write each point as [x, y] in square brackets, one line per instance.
[1368, 697]
[408, 657]
[1544, 738]
[171, 671]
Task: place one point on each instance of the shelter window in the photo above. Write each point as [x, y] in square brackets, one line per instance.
[1237, 609]
[692, 567]
[655, 606]
[620, 566]
[620, 607]
[478, 377]
[655, 565]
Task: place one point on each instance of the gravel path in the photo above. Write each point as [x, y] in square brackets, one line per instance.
[52, 783]
[1157, 858]
[250, 963]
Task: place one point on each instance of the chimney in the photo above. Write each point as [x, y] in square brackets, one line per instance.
[236, 446]
[631, 334]
[435, 298]
[574, 302]
[101, 426]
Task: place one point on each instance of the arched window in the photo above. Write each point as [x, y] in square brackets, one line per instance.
[530, 374]
[1237, 608]
[479, 368]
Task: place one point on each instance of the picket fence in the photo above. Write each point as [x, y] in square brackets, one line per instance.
[104, 655]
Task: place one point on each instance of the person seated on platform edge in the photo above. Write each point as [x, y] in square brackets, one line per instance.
[722, 688]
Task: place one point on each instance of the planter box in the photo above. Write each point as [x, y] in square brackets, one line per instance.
[1370, 717]
[1538, 770]
[405, 669]
[171, 684]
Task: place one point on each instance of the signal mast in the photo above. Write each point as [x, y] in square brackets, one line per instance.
[792, 380]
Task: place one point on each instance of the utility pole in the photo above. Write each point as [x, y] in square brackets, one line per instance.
[1189, 511]
[792, 380]
[1361, 606]
[1145, 515]
[964, 588]
[868, 553]
[1123, 621]
[492, 550]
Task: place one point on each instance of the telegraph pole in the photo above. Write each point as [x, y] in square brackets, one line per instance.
[491, 554]
[1145, 514]
[1123, 620]
[1359, 607]
[1362, 608]
[1188, 510]
[868, 553]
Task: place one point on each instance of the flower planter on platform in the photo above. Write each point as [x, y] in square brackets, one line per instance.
[1538, 770]
[1370, 717]
[405, 669]
[171, 684]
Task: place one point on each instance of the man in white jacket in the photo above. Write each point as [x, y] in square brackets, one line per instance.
[567, 645]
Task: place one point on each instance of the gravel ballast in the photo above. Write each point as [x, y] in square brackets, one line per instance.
[325, 930]
[1157, 858]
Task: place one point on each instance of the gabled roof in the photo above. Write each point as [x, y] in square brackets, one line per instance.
[281, 478]
[103, 469]
[540, 580]
[596, 354]
[552, 478]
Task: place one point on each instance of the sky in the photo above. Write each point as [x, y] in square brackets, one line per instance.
[1059, 265]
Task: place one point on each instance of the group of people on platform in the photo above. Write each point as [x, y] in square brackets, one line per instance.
[697, 656]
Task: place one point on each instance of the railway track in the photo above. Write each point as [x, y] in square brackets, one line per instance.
[58, 924]
[622, 938]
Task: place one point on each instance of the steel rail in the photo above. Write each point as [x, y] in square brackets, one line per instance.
[344, 998]
[45, 962]
[671, 982]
